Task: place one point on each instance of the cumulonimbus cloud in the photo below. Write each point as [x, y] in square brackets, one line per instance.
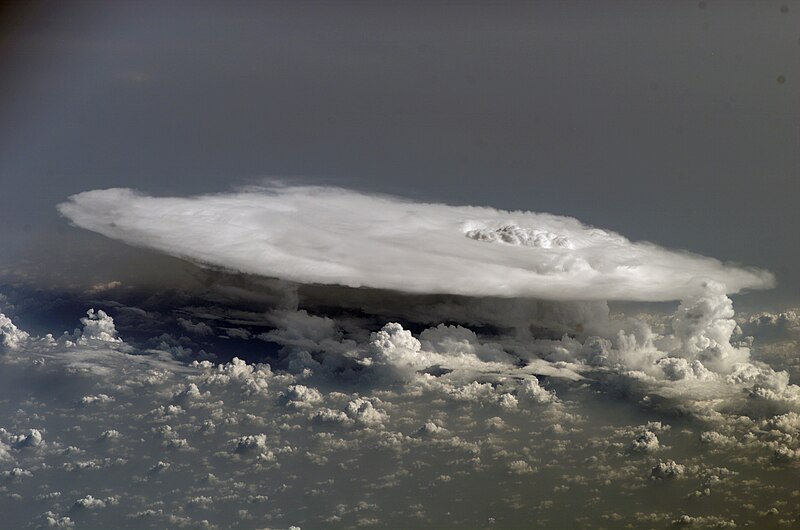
[326, 235]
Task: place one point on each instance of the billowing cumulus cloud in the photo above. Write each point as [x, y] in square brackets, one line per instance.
[113, 436]
[329, 235]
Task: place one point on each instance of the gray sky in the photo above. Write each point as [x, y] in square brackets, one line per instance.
[675, 122]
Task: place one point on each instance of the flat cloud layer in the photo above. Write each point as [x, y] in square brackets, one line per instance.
[334, 236]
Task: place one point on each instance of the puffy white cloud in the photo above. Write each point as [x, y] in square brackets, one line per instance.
[335, 236]
[520, 467]
[429, 429]
[32, 439]
[251, 442]
[52, 520]
[398, 349]
[532, 392]
[5, 452]
[704, 522]
[788, 423]
[717, 439]
[110, 434]
[85, 401]
[159, 467]
[91, 503]
[253, 378]
[454, 340]
[301, 396]
[15, 474]
[703, 325]
[668, 470]
[645, 442]
[11, 337]
[508, 401]
[98, 326]
[225, 436]
[772, 325]
[363, 411]
[394, 354]
[328, 415]
[190, 393]
[679, 369]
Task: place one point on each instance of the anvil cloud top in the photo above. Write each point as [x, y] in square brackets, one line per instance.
[331, 235]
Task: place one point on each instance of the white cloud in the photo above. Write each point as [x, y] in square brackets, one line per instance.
[454, 340]
[52, 520]
[678, 369]
[15, 474]
[645, 442]
[397, 349]
[668, 470]
[110, 434]
[11, 337]
[159, 467]
[301, 396]
[417, 441]
[703, 325]
[363, 411]
[98, 326]
[85, 401]
[531, 391]
[767, 325]
[32, 439]
[335, 236]
[91, 503]
[253, 378]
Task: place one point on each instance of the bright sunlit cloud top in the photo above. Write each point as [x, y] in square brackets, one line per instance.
[330, 235]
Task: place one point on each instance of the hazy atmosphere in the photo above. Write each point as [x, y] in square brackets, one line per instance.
[399, 264]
